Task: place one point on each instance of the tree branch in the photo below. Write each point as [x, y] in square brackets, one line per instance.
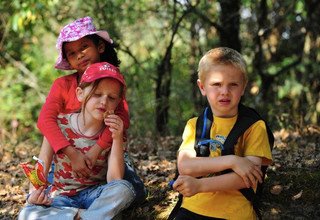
[30, 80]
[285, 69]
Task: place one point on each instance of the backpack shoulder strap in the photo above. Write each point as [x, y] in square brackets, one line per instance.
[246, 117]
[202, 137]
[203, 125]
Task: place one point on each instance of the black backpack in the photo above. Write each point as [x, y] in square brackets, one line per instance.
[246, 117]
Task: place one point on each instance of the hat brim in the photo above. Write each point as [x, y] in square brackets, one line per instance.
[62, 63]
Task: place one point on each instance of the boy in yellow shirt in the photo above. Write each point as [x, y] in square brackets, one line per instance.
[208, 194]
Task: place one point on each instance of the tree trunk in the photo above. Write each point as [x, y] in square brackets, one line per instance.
[164, 73]
[163, 93]
[198, 100]
[230, 23]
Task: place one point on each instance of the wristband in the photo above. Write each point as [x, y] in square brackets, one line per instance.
[170, 184]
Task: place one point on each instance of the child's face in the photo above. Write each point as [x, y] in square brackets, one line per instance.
[81, 53]
[223, 86]
[106, 97]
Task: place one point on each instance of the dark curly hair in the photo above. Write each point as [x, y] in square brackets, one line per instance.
[109, 55]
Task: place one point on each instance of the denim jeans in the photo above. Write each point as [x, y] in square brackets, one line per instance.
[98, 202]
[130, 175]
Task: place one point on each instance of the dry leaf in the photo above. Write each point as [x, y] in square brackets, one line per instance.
[297, 196]
[276, 190]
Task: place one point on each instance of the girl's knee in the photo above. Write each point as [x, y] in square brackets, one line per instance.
[27, 213]
[124, 187]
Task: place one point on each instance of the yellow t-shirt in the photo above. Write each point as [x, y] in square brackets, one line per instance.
[226, 204]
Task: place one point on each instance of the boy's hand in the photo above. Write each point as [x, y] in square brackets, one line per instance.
[115, 124]
[186, 185]
[78, 163]
[248, 171]
[39, 197]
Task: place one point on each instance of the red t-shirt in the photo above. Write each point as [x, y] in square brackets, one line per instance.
[62, 99]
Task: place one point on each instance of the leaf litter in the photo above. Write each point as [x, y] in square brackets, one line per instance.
[294, 176]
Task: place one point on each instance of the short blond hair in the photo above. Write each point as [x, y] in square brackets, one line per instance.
[221, 56]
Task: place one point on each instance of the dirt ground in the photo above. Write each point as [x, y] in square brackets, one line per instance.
[291, 188]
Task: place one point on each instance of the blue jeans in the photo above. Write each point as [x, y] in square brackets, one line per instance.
[130, 175]
[98, 202]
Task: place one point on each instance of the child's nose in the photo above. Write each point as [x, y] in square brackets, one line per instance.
[224, 89]
[103, 100]
[80, 55]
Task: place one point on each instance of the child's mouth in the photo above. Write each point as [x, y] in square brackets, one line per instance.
[224, 101]
[102, 110]
[84, 63]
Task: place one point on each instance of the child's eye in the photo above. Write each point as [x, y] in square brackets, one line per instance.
[84, 46]
[71, 54]
[216, 84]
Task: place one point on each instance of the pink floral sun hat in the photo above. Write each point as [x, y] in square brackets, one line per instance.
[74, 31]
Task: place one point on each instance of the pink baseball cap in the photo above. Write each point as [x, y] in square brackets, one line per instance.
[74, 31]
[102, 70]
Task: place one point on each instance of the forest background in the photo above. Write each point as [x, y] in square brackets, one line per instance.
[160, 44]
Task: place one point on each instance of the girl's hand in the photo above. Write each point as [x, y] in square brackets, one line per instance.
[187, 185]
[248, 171]
[79, 166]
[39, 197]
[92, 155]
[115, 124]
[78, 162]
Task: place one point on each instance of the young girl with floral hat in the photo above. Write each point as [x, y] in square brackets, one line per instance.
[79, 45]
[103, 194]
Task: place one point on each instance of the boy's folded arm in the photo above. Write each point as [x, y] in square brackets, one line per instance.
[230, 181]
[246, 168]
[189, 164]
[224, 182]
[189, 186]
[254, 159]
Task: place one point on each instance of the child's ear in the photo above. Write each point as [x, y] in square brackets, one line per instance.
[201, 87]
[80, 94]
[101, 46]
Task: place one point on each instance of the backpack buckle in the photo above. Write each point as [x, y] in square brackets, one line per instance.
[202, 148]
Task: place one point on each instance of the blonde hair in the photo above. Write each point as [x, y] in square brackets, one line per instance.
[221, 56]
